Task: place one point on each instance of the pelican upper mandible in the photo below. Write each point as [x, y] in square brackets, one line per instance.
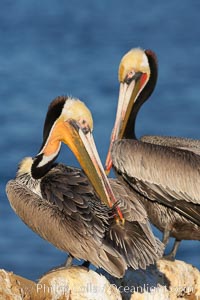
[76, 210]
[165, 174]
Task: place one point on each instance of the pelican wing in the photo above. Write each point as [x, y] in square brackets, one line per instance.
[171, 141]
[129, 201]
[168, 175]
[134, 241]
[79, 228]
[69, 189]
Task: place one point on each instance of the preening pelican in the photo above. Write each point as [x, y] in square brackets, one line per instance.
[77, 210]
[164, 171]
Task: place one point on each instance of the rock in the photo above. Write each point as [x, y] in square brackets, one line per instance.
[166, 280]
[184, 279]
[61, 284]
[78, 283]
[13, 287]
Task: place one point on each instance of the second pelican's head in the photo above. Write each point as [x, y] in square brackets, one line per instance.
[68, 120]
[135, 76]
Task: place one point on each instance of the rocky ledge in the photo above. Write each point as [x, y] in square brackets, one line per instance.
[166, 280]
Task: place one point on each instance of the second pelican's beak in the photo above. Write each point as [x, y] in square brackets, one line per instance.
[128, 94]
[81, 142]
[134, 73]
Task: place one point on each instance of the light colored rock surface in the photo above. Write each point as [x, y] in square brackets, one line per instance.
[62, 284]
[159, 293]
[13, 287]
[179, 281]
[184, 279]
[77, 283]
[166, 281]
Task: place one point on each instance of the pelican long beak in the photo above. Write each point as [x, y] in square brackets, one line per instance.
[128, 94]
[83, 146]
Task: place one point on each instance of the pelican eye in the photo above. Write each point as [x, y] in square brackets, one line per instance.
[132, 76]
[73, 123]
[84, 126]
[129, 77]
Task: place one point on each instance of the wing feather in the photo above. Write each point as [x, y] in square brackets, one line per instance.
[164, 174]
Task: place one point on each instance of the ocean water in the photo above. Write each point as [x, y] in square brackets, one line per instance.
[52, 48]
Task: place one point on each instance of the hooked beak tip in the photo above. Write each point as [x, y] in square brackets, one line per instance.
[108, 166]
[107, 171]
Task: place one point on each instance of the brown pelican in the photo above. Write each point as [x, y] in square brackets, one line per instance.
[76, 210]
[165, 171]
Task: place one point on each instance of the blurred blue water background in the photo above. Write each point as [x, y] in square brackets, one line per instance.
[50, 48]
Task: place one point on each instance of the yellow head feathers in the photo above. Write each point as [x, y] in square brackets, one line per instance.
[25, 166]
[76, 110]
[136, 60]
